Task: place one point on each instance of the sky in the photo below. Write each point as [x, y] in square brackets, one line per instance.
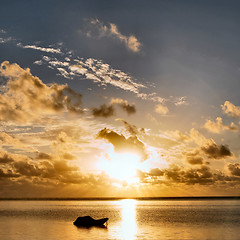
[119, 98]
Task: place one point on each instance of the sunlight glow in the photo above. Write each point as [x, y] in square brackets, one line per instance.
[121, 166]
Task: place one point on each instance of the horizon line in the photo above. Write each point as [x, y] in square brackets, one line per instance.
[120, 198]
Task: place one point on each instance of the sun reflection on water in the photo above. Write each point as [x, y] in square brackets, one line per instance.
[129, 224]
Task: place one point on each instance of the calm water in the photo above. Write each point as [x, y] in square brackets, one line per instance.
[128, 220]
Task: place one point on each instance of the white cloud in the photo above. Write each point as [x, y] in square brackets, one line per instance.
[102, 74]
[4, 40]
[181, 101]
[43, 49]
[40, 62]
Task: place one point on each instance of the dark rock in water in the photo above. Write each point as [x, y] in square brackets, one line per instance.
[88, 221]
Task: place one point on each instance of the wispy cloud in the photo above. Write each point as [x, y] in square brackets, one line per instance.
[100, 73]
[5, 40]
[42, 49]
[97, 28]
[3, 37]
[97, 71]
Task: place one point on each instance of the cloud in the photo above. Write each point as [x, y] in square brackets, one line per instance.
[96, 28]
[161, 109]
[38, 62]
[132, 129]
[42, 49]
[129, 108]
[131, 42]
[216, 151]
[234, 169]
[199, 139]
[6, 39]
[194, 158]
[103, 111]
[103, 74]
[181, 101]
[174, 174]
[8, 174]
[108, 111]
[6, 139]
[5, 158]
[22, 168]
[156, 172]
[207, 146]
[26, 96]
[230, 109]
[100, 73]
[122, 144]
[43, 155]
[25, 168]
[218, 126]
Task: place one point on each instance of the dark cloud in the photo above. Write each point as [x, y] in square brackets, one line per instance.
[156, 172]
[42, 155]
[234, 169]
[68, 156]
[129, 108]
[108, 111]
[132, 129]
[174, 173]
[8, 174]
[25, 168]
[201, 175]
[194, 158]
[177, 175]
[54, 172]
[122, 144]
[216, 151]
[6, 159]
[125, 105]
[103, 111]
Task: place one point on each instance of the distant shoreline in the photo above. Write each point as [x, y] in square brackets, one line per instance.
[117, 199]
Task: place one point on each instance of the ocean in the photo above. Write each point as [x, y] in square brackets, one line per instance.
[128, 219]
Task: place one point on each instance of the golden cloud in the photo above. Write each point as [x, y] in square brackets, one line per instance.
[218, 126]
[230, 109]
[27, 97]
[161, 109]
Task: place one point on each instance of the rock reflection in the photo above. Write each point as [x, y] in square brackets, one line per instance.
[129, 224]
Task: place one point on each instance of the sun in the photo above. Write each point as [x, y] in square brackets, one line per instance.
[121, 166]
